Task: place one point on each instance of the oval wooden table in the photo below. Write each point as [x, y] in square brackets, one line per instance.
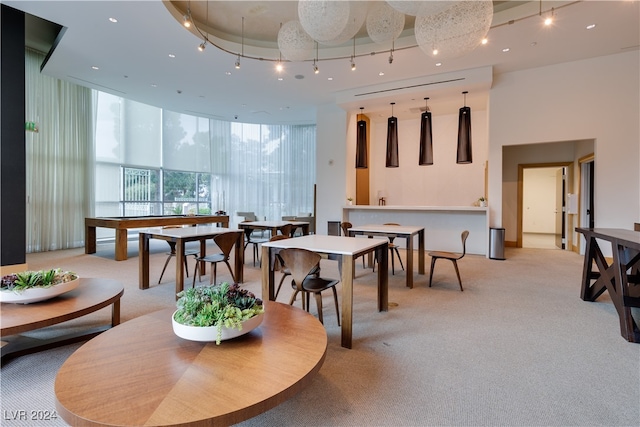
[92, 294]
[141, 373]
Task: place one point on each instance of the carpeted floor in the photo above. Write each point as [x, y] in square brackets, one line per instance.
[517, 348]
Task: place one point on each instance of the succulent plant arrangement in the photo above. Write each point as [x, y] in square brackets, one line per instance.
[18, 282]
[222, 305]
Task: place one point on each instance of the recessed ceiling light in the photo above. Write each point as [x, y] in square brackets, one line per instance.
[94, 68]
[154, 85]
[280, 79]
[228, 73]
[485, 40]
[171, 55]
[330, 78]
[506, 49]
[381, 73]
[591, 26]
[114, 20]
[438, 64]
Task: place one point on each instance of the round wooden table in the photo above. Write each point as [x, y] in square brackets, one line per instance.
[141, 373]
[91, 295]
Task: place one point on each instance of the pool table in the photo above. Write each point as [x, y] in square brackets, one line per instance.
[122, 224]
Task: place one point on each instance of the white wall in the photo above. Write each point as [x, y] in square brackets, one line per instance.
[331, 165]
[595, 99]
[591, 99]
[444, 183]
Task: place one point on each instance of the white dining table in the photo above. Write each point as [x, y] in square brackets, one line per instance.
[407, 232]
[182, 235]
[343, 249]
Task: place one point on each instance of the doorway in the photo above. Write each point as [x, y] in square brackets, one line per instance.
[587, 185]
[543, 221]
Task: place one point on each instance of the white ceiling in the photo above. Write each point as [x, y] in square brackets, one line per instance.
[133, 59]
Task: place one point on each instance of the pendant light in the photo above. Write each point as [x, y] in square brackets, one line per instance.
[464, 133]
[392, 140]
[426, 146]
[361, 143]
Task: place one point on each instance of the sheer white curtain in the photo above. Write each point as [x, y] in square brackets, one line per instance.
[60, 162]
[265, 169]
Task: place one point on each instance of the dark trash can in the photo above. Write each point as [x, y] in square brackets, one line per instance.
[333, 228]
[496, 243]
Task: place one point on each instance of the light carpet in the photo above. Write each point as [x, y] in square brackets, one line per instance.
[517, 348]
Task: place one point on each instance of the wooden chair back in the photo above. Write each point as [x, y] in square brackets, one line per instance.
[301, 263]
[225, 242]
[345, 227]
[463, 237]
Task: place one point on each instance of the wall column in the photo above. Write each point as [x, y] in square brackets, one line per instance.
[12, 141]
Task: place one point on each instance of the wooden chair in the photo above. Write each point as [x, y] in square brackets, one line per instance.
[345, 226]
[393, 249]
[250, 239]
[451, 256]
[172, 253]
[301, 263]
[286, 272]
[225, 242]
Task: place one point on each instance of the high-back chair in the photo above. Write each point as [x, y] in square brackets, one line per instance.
[225, 242]
[301, 263]
[172, 253]
[451, 256]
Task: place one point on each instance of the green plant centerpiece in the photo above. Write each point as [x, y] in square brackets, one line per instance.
[18, 282]
[32, 286]
[222, 307]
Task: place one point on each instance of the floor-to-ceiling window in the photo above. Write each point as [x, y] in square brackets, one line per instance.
[151, 161]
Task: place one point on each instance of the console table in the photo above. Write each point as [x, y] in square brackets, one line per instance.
[122, 224]
[621, 278]
[90, 295]
[141, 373]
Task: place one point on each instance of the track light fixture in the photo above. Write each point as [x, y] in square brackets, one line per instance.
[187, 19]
[353, 64]
[549, 19]
[316, 70]
[202, 46]
[242, 51]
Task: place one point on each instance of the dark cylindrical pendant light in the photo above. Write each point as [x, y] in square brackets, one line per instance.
[464, 133]
[426, 146]
[392, 140]
[361, 143]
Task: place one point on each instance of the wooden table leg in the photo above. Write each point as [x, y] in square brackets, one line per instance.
[421, 251]
[89, 239]
[383, 277]
[179, 266]
[410, 261]
[115, 313]
[239, 258]
[347, 300]
[143, 261]
[121, 244]
[268, 277]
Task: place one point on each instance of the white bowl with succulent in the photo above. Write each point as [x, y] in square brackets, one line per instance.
[34, 286]
[216, 313]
